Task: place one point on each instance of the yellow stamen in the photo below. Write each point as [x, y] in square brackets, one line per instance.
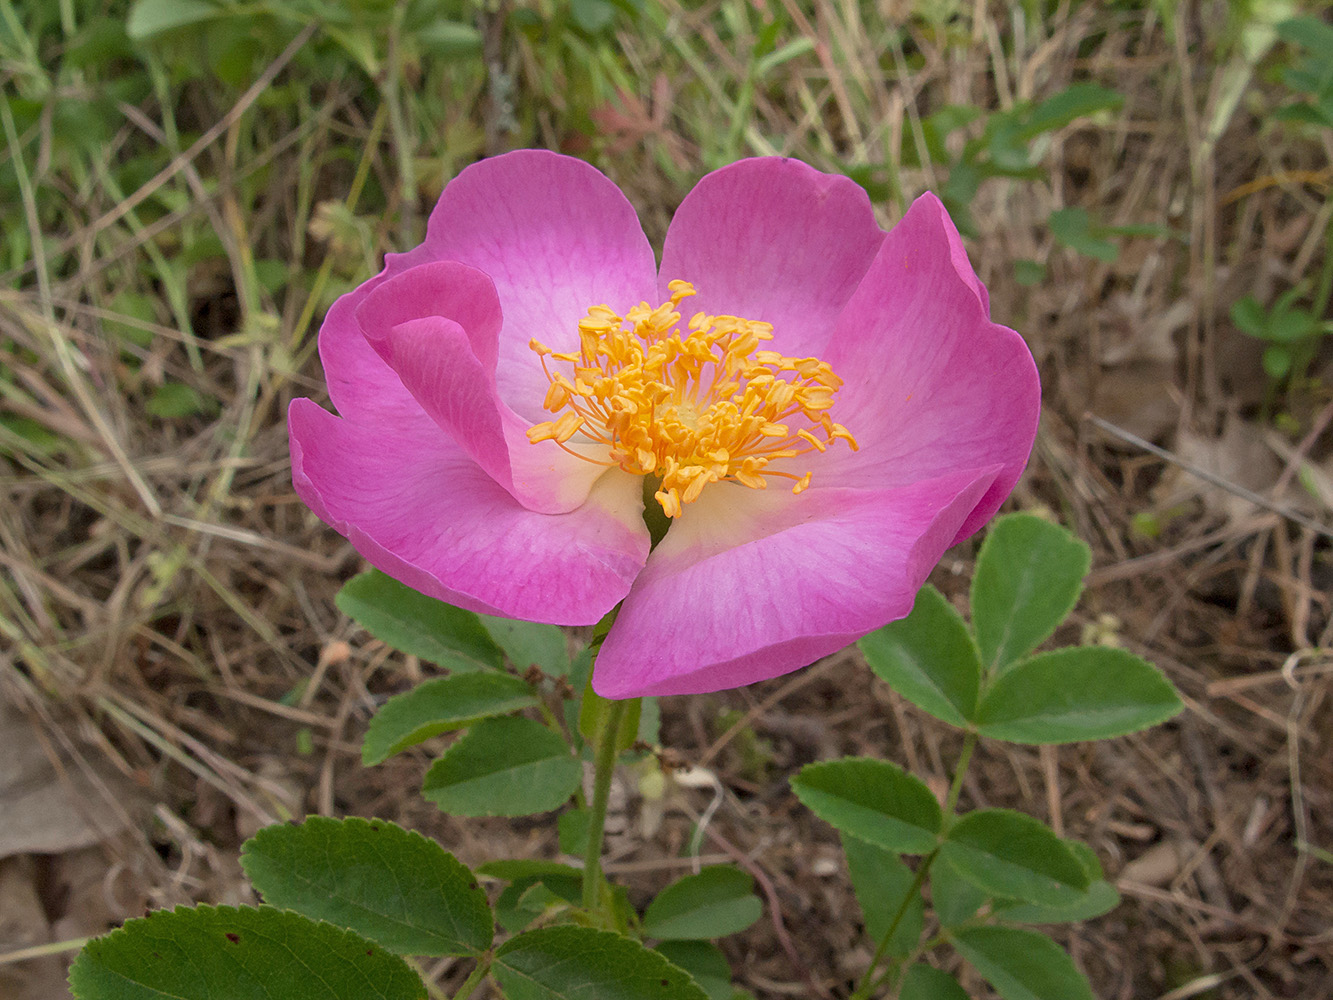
[704, 407]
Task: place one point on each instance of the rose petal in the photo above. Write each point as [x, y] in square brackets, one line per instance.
[745, 588]
[556, 236]
[773, 240]
[427, 475]
[436, 326]
[418, 508]
[932, 385]
[360, 383]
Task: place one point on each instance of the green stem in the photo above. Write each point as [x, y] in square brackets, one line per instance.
[553, 722]
[868, 980]
[404, 144]
[898, 966]
[471, 983]
[603, 768]
[964, 758]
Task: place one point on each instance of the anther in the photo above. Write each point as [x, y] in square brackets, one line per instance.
[695, 408]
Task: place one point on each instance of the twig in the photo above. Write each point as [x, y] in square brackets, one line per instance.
[42, 950]
[1209, 477]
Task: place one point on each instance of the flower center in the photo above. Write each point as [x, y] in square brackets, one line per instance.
[701, 408]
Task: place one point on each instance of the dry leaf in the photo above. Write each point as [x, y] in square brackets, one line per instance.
[1239, 456]
[42, 810]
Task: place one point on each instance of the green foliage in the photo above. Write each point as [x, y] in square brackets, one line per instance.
[149, 18]
[441, 705]
[443, 39]
[533, 887]
[716, 902]
[988, 872]
[35, 436]
[990, 869]
[1083, 693]
[1022, 964]
[887, 892]
[1028, 578]
[503, 767]
[930, 658]
[592, 16]
[704, 962]
[573, 66]
[417, 624]
[954, 898]
[1293, 326]
[230, 953]
[1078, 100]
[572, 830]
[1029, 272]
[529, 644]
[173, 400]
[1312, 77]
[579, 963]
[1292, 333]
[925, 983]
[1010, 144]
[1010, 854]
[871, 799]
[595, 713]
[386, 883]
[1075, 229]
[1101, 897]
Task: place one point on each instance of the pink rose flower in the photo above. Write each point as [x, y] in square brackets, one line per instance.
[824, 409]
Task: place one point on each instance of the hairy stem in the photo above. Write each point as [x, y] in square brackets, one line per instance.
[603, 768]
[964, 758]
[868, 980]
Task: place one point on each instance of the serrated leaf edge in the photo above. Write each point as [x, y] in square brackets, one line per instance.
[368, 825]
[128, 927]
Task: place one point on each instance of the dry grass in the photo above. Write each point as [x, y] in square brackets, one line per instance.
[166, 603]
